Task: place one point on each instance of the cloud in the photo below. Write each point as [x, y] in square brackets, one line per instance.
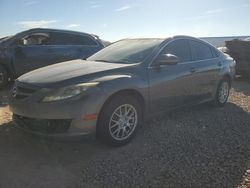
[219, 10]
[96, 6]
[92, 2]
[199, 17]
[31, 2]
[104, 25]
[35, 24]
[73, 25]
[214, 11]
[123, 8]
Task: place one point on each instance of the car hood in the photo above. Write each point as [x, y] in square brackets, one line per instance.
[5, 40]
[77, 70]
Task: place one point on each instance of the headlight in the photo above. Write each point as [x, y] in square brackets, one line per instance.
[68, 92]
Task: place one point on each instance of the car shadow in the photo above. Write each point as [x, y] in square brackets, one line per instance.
[200, 146]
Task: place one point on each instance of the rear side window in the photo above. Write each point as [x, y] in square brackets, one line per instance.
[72, 39]
[200, 51]
[179, 48]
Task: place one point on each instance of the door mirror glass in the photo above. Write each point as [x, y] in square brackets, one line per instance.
[167, 59]
[20, 42]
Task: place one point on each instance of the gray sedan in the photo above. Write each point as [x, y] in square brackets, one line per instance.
[115, 90]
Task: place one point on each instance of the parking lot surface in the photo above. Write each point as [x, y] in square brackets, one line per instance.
[199, 146]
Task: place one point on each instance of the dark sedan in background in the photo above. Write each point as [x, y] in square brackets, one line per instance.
[37, 48]
[116, 88]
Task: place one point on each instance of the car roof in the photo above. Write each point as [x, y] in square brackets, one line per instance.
[59, 30]
[166, 38]
[169, 38]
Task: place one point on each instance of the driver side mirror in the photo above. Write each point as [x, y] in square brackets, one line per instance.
[167, 59]
[20, 42]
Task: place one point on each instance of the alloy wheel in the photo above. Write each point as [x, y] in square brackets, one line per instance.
[123, 122]
[223, 92]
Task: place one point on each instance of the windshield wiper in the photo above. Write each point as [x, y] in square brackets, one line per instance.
[102, 60]
[120, 62]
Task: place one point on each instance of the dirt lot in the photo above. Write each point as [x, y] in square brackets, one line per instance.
[200, 146]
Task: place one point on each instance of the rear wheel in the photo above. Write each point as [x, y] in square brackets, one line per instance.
[119, 120]
[3, 77]
[222, 93]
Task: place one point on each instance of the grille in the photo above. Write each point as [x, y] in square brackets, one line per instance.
[22, 91]
[45, 126]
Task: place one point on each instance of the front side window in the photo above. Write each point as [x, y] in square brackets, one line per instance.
[179, 48]
[35, 39]
[200, 51]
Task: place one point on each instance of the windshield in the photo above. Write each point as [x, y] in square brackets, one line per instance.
[127, 51]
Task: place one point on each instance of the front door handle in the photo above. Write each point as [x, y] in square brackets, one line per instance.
[219, 64]
[193, 70]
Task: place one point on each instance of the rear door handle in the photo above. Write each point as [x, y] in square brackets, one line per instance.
[192, 70]
[219, 64]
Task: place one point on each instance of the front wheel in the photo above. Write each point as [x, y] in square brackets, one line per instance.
[119, 120]
[222, 93]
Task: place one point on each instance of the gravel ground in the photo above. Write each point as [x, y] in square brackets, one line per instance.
[199, 146]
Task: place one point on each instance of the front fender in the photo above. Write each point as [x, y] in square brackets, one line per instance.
[113, 84]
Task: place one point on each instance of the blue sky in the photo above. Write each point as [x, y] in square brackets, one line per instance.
[116, 19]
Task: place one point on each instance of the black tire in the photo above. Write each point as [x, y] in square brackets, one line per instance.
[3, 77]
[221, 101]
[104, 126]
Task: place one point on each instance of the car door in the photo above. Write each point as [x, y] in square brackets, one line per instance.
[206, 69]
[170, 85]
[31, 52]
[69, 46]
